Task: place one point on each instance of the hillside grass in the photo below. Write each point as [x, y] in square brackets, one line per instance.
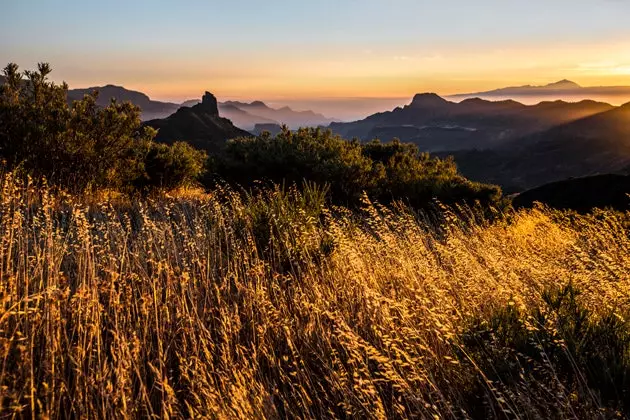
[275, 305]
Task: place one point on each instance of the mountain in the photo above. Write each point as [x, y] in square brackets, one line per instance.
[247, 115]
[551, 88]
[241, 118]
[150, 109]
[598, 144]
[199, 125]
[563, 89]
[436, 124]
[285, 115]
[581, 194]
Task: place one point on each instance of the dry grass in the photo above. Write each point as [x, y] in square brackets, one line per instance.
[272, 307]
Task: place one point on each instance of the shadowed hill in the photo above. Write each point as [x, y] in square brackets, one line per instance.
[581, 194]
[199, 125]
[598, 144]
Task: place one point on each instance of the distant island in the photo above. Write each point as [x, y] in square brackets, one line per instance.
[563, 89]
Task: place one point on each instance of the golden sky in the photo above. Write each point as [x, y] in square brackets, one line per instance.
[288, 50]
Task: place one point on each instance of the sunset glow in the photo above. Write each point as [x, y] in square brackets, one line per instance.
[285, 52]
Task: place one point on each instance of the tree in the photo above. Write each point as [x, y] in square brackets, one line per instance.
[82, 146]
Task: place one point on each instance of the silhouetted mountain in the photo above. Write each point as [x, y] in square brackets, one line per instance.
[246, 115]
[435, 124]
[564, 89]
[285, 115]
[551, 88]
[199, 125]
[150, 109]
[598, 144]
[242, 119]
[581, 194]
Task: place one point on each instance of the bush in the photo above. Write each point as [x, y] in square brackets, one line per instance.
[169, 167]
[385, 171]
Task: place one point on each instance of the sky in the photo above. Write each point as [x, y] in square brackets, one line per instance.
[296, 51]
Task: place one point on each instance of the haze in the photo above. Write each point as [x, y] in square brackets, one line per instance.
[324, 55]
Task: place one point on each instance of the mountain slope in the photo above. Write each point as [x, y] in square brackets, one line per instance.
[597, 144]
[435, 124]
[199, 125]
[581, 194]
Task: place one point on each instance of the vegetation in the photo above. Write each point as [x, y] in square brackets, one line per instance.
[83, 146]
[276, 305]
[385, 171]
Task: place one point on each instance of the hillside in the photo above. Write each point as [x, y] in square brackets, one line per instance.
[435, 124]
[581, 194]
[199, 125]
[598, 144]
[276, 306]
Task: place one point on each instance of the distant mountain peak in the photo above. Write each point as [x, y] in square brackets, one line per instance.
[259, 104]
[427, 99]
[563, 84]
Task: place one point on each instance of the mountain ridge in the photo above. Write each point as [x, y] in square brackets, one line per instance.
[428, 121]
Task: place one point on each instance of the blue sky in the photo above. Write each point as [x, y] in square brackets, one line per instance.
[300, 49]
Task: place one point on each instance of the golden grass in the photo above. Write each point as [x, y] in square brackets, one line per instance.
[177, 308]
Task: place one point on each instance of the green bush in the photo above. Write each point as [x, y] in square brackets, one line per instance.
[169, 167]
[385, 171]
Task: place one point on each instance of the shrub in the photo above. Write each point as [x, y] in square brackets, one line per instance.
[385, 171]
[169, 167]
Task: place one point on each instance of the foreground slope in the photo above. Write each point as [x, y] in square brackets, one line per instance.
[277, 307]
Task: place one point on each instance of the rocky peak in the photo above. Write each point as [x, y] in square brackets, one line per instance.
[209, 103]
[427, 99]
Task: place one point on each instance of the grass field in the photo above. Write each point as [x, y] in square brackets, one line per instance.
[276, 305]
